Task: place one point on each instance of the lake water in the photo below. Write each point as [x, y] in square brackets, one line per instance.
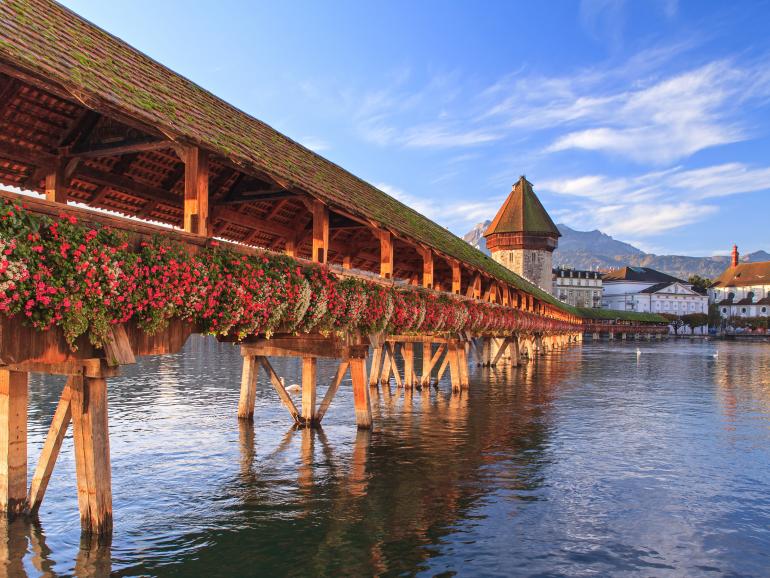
[589, 462]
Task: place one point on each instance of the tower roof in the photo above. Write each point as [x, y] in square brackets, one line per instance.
[522, 212]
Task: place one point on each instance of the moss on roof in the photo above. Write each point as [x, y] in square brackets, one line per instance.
[46, 39]
[588, 313]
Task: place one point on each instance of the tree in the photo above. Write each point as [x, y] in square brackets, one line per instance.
[699, 283]
[715, 318]
[674, 321]
[694, 320]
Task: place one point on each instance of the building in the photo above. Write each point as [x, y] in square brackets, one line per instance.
[522, 236]
[643, 290]
[578, 288]
[743, 289]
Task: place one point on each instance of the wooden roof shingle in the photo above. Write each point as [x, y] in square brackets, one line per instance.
[62, 50]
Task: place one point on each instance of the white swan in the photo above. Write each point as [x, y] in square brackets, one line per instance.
[293, 388]
[638, 352]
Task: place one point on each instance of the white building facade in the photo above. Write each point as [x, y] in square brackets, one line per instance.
[578, 288]
[646, 290]
[742, 290]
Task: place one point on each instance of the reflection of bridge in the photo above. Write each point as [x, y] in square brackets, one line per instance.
[88, 119]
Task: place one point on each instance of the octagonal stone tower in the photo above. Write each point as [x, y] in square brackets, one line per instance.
[522, 236]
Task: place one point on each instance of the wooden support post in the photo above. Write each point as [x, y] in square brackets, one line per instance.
[55, 184]
[196, 191]
[454, 365]
[462, 360]
[476, 293]
[407, 352]
[332, 391]
[50, 452]
[515, 351]
[427, 366]
[386, 254]
[444, 365]
[248, 388]
[291, 247]
[501, 350]
[320, 232]
[393, 364]
[347, 262]
[456, 277]
[427, 268]
[377, 361]
[13, 441]
[309, 370]
[386, 363]
[486, 352]
[361, 393]
[92, 454]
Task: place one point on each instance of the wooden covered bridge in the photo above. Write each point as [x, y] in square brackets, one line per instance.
[160, 206]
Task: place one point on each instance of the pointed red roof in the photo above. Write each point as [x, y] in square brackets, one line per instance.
[522, 212]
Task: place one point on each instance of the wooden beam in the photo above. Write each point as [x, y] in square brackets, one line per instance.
[332, 391]
[386, 254]
[320, 232]
[138, 145]
[13, 441]
[92, 454]
[126, 184]
[243, 220]
[55, 187]
[291, 247]
[456, 277]
[427, 268]
[279, 388]
[50, 452]
[196, 191]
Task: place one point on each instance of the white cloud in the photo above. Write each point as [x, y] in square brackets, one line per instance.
[458, 214]
[722, 180]
[655, 202]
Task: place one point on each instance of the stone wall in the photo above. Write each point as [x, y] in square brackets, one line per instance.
[535, 265]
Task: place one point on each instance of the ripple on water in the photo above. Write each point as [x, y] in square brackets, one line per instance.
[594, 461]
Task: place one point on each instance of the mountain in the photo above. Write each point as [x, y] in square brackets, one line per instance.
[597, 250]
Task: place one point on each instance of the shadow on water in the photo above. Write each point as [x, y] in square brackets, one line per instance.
[593, 460]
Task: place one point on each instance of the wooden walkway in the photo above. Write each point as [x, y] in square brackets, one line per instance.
[86, 119]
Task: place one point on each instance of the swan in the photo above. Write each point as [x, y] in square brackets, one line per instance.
[293, 388]
[638, 352]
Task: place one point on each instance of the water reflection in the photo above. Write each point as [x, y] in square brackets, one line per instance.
[584, 461]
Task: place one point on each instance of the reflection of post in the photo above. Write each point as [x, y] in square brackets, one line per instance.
[305, 473]
[357, 478]
[41, 553]
[246, 441]
[94, 558]
[13, 546]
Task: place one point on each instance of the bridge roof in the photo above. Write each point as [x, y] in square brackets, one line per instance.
[610, 314]
[56, 46]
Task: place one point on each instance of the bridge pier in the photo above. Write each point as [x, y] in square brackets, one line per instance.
[352, 355]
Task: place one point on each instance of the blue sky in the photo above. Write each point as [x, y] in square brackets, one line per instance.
[648, 120]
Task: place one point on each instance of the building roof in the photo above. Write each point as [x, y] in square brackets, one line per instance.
[640, 274]
[655, 288]
[57, 48]
[577, 273]
[522, 212]
[744, 274]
